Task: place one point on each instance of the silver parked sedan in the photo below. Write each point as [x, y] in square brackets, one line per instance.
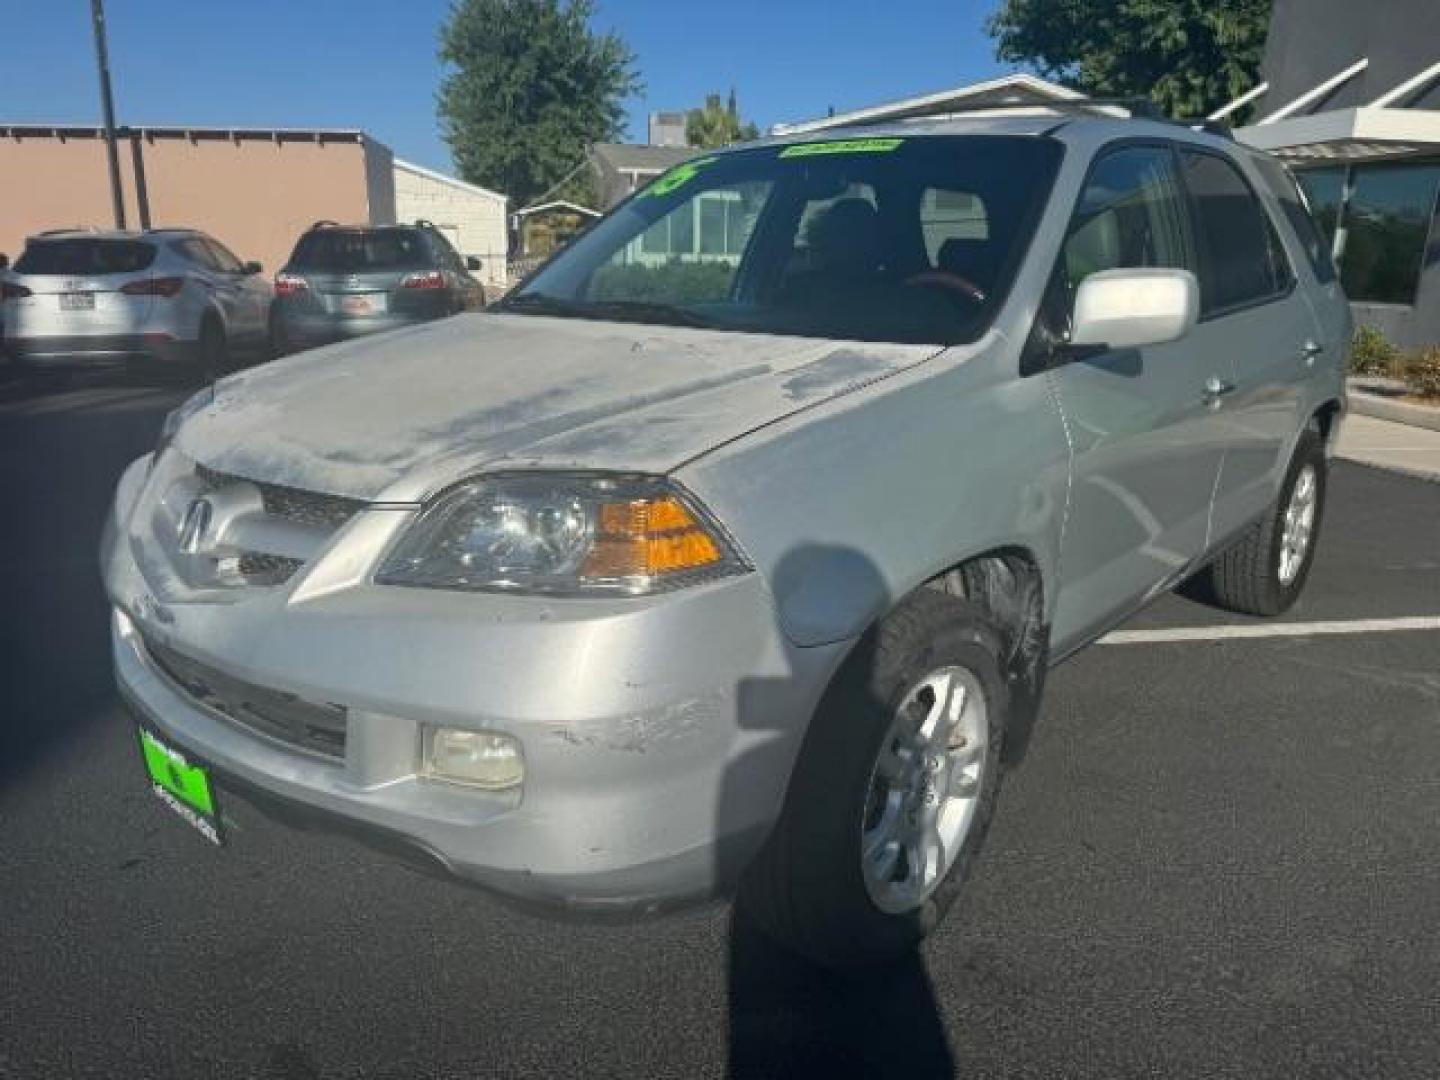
[173, 296]
[734, 546]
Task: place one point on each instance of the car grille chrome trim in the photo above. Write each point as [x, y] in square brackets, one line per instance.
[310, 508]
[318, 729]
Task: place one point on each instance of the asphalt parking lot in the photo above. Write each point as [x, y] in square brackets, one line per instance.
[1219, 859]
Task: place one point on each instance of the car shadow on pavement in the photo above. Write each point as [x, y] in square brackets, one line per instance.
[788, 1015]
[60, 455]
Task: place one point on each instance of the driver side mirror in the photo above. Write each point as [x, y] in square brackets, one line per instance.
[1129, 308]
[472, 263]
[253, 267]
[4, 260]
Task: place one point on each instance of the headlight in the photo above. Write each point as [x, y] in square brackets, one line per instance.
[177, 416]
[561, 534]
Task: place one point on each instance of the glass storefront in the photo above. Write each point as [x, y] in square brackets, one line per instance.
[1380, 218]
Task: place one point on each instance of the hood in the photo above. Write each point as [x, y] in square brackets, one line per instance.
[396, 415]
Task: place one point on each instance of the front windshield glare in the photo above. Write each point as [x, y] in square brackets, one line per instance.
[912, 239]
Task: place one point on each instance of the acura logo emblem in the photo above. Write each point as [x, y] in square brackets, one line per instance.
[195, 524]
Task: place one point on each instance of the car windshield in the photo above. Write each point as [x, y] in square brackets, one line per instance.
[355, 250]
[912, 239]
[85, 255]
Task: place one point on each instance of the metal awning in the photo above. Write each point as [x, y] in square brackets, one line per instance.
[1358, 134]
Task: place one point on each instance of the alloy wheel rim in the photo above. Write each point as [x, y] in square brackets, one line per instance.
[1298, 527]
[925, 789]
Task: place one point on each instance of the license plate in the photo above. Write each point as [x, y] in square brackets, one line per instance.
[181, 784]
[362, 305]
[77, 301]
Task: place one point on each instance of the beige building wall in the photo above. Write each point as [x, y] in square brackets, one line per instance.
[255, 195]
[472, 218]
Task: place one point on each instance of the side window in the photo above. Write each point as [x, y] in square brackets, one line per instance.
[195, 251]
[947, 215]
[1245, 261]
[1292, 202]
[223, 258]
[1131, 214]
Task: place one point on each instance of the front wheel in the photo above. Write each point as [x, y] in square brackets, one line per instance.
[1264, 572]
[893, 792]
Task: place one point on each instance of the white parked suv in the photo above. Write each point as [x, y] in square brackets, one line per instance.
[175, 296]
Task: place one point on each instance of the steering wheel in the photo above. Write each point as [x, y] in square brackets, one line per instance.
[961, 287]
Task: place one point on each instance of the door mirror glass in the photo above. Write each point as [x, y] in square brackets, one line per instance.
[1128, 308]
[253, 267]
[472, 263]
[4, 260]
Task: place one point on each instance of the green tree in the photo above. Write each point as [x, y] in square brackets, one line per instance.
[1187, 56]
[528, 88]
[717, 125]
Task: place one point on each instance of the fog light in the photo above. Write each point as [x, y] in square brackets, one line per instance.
[485, 759]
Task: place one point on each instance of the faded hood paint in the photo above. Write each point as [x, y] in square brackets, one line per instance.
[391, 417]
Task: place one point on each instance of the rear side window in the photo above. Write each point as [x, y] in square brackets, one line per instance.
[1245, 262]
[84, 256]
[1131, 214]
[356, 250]
[1297, 211]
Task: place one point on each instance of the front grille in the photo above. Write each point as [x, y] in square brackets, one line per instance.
[319, 729]
[317, 513]
[313, 508]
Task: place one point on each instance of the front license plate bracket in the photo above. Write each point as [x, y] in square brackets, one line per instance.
[181, 784]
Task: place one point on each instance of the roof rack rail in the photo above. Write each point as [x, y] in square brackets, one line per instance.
[424, 223]
[67, 228]
[325, 223]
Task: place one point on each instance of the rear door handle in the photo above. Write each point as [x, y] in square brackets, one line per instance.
[1216, 388]
[1309, 351]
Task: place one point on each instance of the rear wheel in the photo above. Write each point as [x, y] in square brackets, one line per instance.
[1264, 572]
[893, 792]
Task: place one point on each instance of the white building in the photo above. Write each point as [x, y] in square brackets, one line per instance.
[472, 218]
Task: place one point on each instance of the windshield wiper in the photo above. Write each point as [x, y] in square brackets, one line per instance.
[640, 311]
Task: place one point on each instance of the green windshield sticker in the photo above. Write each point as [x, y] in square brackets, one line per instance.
[169, 770]
[842, 146]
[676, 178]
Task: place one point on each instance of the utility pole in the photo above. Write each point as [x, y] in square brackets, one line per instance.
[107, 103]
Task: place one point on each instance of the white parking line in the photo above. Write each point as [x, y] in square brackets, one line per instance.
[1270, 630]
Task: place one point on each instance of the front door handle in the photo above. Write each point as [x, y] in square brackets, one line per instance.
[1309, 351]
[1216, 388]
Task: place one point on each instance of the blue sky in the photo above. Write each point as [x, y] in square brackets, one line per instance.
[371, 63]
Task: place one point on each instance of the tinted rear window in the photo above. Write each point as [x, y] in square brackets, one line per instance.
[85, 256]
[353, 250]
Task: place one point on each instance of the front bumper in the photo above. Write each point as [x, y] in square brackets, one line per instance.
[658, 733]
[76, 350]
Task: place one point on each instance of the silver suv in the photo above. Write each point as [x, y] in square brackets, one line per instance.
[734, 547]
[176, 297]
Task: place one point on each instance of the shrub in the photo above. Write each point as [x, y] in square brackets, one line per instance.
[1422, 373]
[1372, 353]
[673, 282]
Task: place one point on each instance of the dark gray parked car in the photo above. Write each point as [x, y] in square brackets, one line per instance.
[344, 281]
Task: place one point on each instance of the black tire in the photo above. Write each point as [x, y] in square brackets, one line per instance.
[1246, 578]
[806, 889]
[214, 349]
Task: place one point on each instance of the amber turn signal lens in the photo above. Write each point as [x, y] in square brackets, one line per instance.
[646, 538]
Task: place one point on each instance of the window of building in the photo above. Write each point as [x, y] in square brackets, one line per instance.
[1131, 214]
[1307, 229]
[1325, 192]
[1385, 227]
[1245, 261]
